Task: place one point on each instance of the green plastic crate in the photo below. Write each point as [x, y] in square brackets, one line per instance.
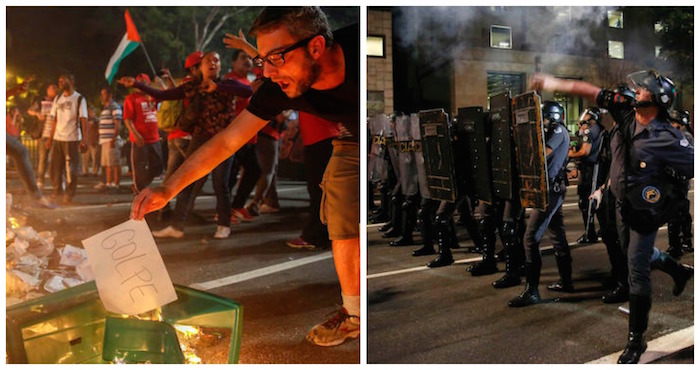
[69, 327]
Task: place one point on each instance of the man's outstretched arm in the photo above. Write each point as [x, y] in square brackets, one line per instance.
[575, 87]
[200, 163]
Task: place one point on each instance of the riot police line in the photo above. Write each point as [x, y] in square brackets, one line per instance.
[500, 162]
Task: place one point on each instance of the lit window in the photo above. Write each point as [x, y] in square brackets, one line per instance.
[375, 46]
[563, 13]
[658, 27]
[616, 49]
[657, 51]
[501, 37]
[615, 19]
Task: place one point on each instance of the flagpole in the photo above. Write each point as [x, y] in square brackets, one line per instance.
[149, 59]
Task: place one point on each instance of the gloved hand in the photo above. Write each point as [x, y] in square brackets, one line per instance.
[597, 197]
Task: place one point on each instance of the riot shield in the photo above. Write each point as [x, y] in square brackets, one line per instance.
[389, 135]
[407, 161]
[377, 154]
[437, 154]
[474, 123]
[502, 156]
[418, 153]
[529, 149]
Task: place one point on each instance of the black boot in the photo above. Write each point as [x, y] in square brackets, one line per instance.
[564, 284]
[394, 228]
[408, 224]
[427, 215]
[384, 228]
[679, 272]
[674, 238]
[531, 294]
[444, 257]
[618, 295]
[510, 244]
[487, 234]
[638, 320]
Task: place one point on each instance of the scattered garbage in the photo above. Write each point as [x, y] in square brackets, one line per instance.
[34, 266]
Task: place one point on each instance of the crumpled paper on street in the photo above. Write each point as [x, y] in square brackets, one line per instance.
[34, 268]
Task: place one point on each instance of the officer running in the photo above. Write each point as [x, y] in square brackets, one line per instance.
[645, 147]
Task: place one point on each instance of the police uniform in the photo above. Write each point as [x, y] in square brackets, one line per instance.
[680, 227]
[503, 216]
[589, 134]
[551, 218]
[652, 148]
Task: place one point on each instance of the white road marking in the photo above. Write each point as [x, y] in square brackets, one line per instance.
[657, 348]
[123, 204]
[233, 279]
[462, 261]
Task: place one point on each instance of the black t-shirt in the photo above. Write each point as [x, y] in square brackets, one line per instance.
[340, 104]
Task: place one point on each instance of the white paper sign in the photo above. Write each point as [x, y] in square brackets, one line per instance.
[129, 272]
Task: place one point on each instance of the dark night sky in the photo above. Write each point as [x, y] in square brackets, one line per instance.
[47, 41]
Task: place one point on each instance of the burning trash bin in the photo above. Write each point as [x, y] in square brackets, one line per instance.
[72, 326]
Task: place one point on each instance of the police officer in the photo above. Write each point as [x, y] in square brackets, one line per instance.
[680, 236]
[551, 218]
[644, 147]
[590, 135]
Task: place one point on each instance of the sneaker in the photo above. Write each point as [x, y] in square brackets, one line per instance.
[44, 202]
[242, 214]
[100, 186]
[169, 232]
[335, 330]
[112, 188]
[265, 209]
[252, 208]
[222, 232]
[299, 243]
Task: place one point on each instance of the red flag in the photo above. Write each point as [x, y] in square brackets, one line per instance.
[131, 32]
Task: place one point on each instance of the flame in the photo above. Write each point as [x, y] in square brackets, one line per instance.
[13, 222]
[191, 358]
[186, 330]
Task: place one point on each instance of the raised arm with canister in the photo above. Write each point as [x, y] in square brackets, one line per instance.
[201, 162]
[546, 82]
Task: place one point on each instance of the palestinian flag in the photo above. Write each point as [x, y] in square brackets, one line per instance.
[129, 42]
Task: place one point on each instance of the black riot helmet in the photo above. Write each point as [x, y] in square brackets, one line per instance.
[594, 113]
[662, 89]
[625, 92]
[553, 112]
[680, 117]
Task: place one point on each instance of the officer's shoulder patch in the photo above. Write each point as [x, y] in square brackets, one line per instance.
[585, 138]
[684, 142]
[587, 131]
[651, 194]
[557, 130]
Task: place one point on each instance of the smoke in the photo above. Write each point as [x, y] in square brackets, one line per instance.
[435, 33]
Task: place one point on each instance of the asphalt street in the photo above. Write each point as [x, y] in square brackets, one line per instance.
[283, 291]
[444, 315]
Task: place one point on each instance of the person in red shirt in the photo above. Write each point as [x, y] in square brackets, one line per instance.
[246, 157]
[317, 135]
[14, 118]
[140, 118]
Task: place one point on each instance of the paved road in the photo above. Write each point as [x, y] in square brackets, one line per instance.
[284, 292]
[445, 315]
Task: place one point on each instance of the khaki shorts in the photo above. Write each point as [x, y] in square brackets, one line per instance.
[110, 156]
[340, 204]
